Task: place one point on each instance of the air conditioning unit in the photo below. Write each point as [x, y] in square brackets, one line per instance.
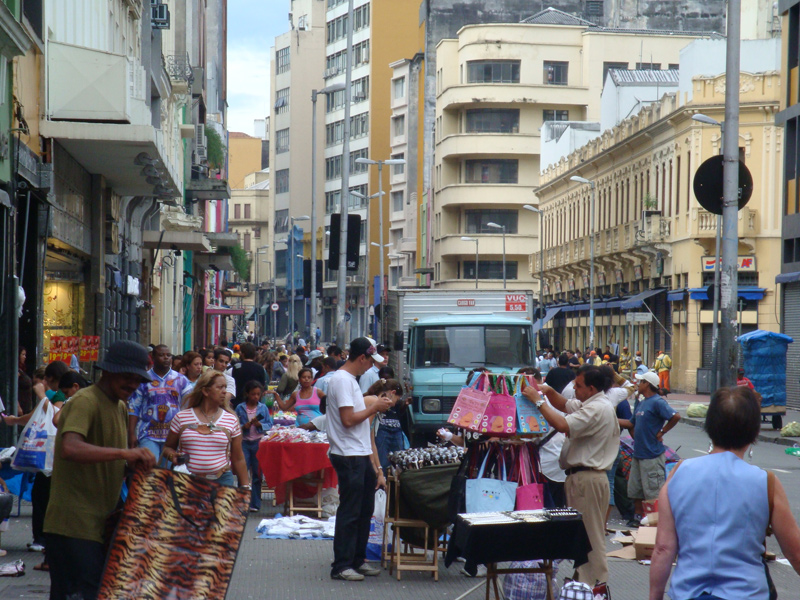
[201, 153]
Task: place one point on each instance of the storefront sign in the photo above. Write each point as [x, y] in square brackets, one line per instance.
[516, 303]
[63, 347]
[465, 302]
[638, 317]
[90, 348]
[746, 264]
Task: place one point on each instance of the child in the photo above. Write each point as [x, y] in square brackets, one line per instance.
[389, 434]
[69, 385]
[305, 401]
[254, 419]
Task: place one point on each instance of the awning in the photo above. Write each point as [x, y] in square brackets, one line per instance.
[213, 311]
[217, 262]
[788, 277]
[676, 295]
[576, 307]
[637, 300]
[548, 316]
[251, 316]
[221, 239]
[748, 293]
[176, 240]
[264, 310]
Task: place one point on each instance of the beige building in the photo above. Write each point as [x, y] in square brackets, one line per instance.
[244, 157]
[495, 87]
[655, 245]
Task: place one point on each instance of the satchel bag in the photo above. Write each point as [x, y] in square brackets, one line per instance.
[471, 405]
[530, 496]
[491, 495]
[499, 419]
[529, 418]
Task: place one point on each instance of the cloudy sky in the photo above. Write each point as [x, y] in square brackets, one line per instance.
[252, 27]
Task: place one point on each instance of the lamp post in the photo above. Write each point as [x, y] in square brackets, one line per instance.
[275, 287]
[336, 87]
[464, 238]
[380, 163]
[591, 259]
[539, 212]
[258, 285]
[383, 275]
[503, 227]
[701, 118]
[290, 287]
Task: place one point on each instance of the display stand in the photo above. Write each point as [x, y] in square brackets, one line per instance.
[293, 506]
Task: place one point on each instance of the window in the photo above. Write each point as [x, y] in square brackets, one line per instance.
[334, 101]
[332, 201]
[489, 269]
[282, 221]
[493, 120]
[334, 133]
[399, 88]
[361, 54]
[358, 167]
[237, 211]
[282, 101]
[673, 66]
[491, 171]
[335, 3]
[247, 242]
[360, 91]
[555, 115]
[281, 141]
[361, 17]
[246, 211]
[555, 72]
[334, 63]
[594, 8]
[649, 65]
[257, 233]
[358, 201]
[282, 181]
[280, 262]
[333, 168]
[401, 168]
[359, 126]
[399, 126]
[476, 221]
[282, 60]
[612, 65]
[493, 71]
[397, 201]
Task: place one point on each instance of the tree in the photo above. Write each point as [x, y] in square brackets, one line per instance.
[241, 262]
[214, 149]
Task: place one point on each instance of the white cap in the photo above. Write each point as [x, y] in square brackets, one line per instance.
[649, 377]
[375, 356]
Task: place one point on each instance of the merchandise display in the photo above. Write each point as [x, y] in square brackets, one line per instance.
[298, 527]
[285, 418]
[294, 434]
[416, 458]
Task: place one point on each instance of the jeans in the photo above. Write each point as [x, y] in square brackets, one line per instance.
[356, 503]
[225, 479]
[250, 447]
[156, 448]
[40, 498]
[388, 440]
[76, 567]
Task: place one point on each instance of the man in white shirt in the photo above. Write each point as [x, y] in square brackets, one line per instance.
[221, 362]
[371, 376]
[350, 454]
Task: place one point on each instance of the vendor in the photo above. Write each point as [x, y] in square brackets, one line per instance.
[305, 401]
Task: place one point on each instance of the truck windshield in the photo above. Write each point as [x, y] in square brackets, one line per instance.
[469, 346]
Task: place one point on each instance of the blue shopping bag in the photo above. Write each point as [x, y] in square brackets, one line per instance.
[485, 494]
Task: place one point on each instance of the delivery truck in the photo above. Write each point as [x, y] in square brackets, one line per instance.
[438, 337]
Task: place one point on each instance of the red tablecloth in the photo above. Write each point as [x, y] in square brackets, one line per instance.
[281, 462]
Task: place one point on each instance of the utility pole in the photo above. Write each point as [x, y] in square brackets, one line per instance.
[729, 283]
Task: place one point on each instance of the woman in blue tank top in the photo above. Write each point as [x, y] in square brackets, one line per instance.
[714, 511]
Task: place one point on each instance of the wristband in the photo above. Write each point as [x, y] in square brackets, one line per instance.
[246, 487]
[539, 403]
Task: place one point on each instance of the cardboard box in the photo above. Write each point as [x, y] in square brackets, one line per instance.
[645, 542]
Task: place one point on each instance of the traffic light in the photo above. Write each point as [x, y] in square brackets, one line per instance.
[353, 241]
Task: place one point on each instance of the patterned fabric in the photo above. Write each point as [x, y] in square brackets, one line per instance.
[177, 538]
[576, 590]
[156, 403]
[528, 586]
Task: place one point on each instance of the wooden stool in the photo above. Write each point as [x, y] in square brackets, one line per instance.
[293, 507]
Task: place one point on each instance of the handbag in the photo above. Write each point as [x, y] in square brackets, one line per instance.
[602, 591]
[470, 405]
[491, 495]
[530, 496]
[529, 418]
[36, 446]
[499, 419]
[457, 500]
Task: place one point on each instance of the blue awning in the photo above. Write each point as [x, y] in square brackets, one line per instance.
[548, 316]
[676, 295]
[637, 300]
[788, 277]
[576, 307]
[748, 293]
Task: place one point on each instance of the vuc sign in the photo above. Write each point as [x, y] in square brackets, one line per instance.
[745, 263]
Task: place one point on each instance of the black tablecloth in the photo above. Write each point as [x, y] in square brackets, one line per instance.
[483, 544]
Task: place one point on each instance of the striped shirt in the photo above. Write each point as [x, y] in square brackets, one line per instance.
[208, 453]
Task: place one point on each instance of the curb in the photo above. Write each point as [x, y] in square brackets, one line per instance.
[781, 441]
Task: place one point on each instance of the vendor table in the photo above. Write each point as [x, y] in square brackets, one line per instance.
[494, 543]
[283, 462]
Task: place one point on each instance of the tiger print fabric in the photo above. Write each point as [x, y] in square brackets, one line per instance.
[177, 538]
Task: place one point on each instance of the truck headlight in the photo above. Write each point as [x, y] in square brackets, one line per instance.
[431, 405]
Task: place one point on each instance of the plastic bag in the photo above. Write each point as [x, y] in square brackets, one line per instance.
[697, 410]
[791, 429]
[36, 445]
[376, 526]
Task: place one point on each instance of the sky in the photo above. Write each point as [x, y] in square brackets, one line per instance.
[252, 27]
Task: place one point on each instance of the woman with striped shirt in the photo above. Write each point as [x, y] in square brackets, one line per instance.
[208, 434]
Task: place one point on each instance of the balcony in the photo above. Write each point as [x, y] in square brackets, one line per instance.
[704, 223]
[488, 245]
[459, 96]
[408, 244]
[654, 229]
[485, 194]
[488, 144]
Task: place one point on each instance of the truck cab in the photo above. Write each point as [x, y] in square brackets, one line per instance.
[441, 352]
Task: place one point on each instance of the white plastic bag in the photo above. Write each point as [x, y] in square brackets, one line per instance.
[36, 445]
[375, 543]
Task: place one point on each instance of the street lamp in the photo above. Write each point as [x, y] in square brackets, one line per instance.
[539, 212]
[336, 87]
[578, 179]
[291, 272]
[464, 238]
[380, 163]
[503, 227]
[366, 200]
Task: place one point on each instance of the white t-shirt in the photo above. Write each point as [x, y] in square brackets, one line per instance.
[343, 391]
[367, 379]
[617, 394]
[231, 389]
[549, 453]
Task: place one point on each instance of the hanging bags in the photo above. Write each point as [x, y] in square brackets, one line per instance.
[529, 418]
[471, 405]
[491, 495]
[499, 419]
[530, 496]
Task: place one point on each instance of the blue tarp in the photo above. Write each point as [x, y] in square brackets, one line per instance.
[764, 354]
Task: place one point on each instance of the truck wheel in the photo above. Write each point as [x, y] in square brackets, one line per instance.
[777, 422]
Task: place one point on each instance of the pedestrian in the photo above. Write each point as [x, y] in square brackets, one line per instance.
[663, 366]
[305, 400]
[559, 377]
[336, 353]
[208, 358]
[291, 378]
[192, 369]
[254, 420]
[24, 385]
[625, 361]
[279, 367]
[589, 451]
[389, 431]
[368, 379]
[328, 368]
[742, 380]
[350, 454]
[222, 361]
[247, 370]
[91, 451]
[714, 511]
[652, 418]
[154, 404]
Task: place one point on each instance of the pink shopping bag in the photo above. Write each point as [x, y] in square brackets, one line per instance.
[500, 417]
[530, 495]
[470, 406]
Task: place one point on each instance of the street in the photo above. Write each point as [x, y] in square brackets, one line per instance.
[288, 569]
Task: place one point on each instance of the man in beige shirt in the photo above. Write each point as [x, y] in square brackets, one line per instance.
[590, 450]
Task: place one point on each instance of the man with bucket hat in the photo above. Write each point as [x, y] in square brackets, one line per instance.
[91, 452]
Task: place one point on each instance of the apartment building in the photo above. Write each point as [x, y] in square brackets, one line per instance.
[495, 87]
[654, 244]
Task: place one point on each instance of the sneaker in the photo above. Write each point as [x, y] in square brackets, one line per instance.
[35, 548]
[365, 569]
[348, 575]
[634, 522]
[254, 509]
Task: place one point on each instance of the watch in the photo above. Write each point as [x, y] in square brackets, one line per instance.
[539, 403]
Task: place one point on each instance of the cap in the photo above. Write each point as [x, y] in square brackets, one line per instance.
[314, 354]
[301, 342]
[365, 345]
[649, 377]
[624, 347]
[125, 356]
[236, 347]
[638, 359]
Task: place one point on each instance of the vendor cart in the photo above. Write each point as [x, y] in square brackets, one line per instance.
[764, 361]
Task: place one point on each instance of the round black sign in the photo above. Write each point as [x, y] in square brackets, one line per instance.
[708, 184]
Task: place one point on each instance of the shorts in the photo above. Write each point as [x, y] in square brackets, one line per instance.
[646, 478]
